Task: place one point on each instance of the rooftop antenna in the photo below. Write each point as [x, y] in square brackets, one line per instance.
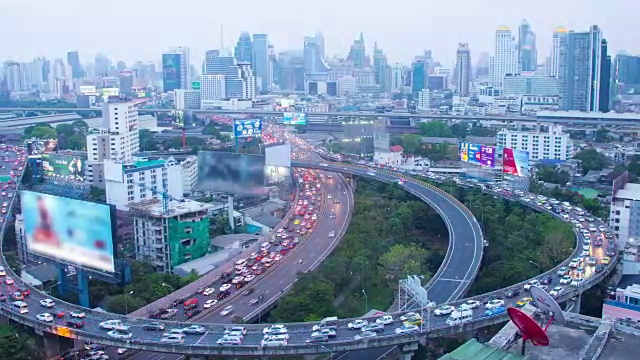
[221, 36]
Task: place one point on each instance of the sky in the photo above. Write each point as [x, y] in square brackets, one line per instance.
[142, 29]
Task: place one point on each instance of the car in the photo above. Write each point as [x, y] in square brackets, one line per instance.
[511, 293]
[8, 281]
[227, 310]
[531, 283]
[563, 271]
[332, 233]
[275, 330]
[523, 302]
[175, 331]
[209, 303]
[113, 324]
[495, 303]
[470, 304]
[3, 297]
[373, 327]
[156, 326]
[556, 291]
[566, 280]
[384, 320]
[208, 291]
[357, 324]
[2, 271]
[444, 310]
[75, 323]
[365, 334]
[120, 334]
[78, 314]
[48, 303]
[45, 317]
[195, 330]
[605, 260]
[248, 278]
[495, 311]
[546, 280]
[17, 296]
[229, 340]
[236, 331]
[407, 329]
[317, 338]
[410, 316]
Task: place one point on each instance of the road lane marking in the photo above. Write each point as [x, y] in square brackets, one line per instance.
[202, 337]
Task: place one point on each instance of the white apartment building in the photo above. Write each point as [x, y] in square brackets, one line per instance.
[117, 139]
[554, 58]
[347, 85]
[397, 78]
[553, 144]
[424, 99]
[212, 88]
[133, 181]
[250, 84]
[624, 217]
[530, 84]
[189, 174]
[187, 99]
[505, 58]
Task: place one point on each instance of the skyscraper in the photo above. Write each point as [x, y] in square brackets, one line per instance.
[73, 59]
[102, 65]
[505, 57]
[419, 78]
[527, 52]
[627, 69]
[240, 83]
[357, 54]
[260, 62]
[380, 68]
[244, 48]
[397, 78]
[463, 69]
[176, 69]
[554, 59]
[315, 67]
[604, 104]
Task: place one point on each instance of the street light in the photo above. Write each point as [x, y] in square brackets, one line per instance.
[366, 301]
[126, 308]
[169, 286]
[537, 265]
[329, 350]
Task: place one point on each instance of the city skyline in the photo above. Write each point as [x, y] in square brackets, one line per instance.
[340, 29]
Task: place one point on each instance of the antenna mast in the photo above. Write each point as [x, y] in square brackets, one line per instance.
[221, 36]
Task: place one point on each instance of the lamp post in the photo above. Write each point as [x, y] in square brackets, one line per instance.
[169, 286]
[366, 301]
[329, 350]
[537, 265]
[126, 308]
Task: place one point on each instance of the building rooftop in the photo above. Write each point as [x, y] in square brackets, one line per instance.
[153, 207]
[225, 241]
[587, 115]
[473, 350]
[630, 191]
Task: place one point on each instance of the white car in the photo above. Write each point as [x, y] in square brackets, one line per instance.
[357, 324]
[249, 278]
[45, 317]
[117, 334]
[531, 283]
[48, 303]
[113, 324]
[332, 233]
[208, 291]
[407, 329]
[275, 330]
[236, 331]
[209, 303]
[78, 314]
[556, 291]
[385, 320]
[565, 280]
[495, 303]
[2, 271]
[225, 287]
[444, 310]
[470, 304]
[229, 340]
[227, 310]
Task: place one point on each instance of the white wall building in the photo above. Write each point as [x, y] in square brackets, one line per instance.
[396, 157]
[554, 58]
[505, 58]
[212, 89]
[624, 217]
[424, 99]
[189, 174]
[553, 144]
[347, 85]
[523, 84]
[230, 104]
[187, 99]
[133, 181]
[397, 78]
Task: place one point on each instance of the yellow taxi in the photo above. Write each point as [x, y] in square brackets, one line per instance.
[523, 302]
[605, 260]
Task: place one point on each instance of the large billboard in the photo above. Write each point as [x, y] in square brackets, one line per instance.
[278, 155]
[381, 141]
[231, 173]
[477, 154]
[74, 232]
[68, 167]
[247, 128]
[171, 72]
[275, 175]
[291, 118]
[39, 147]
[515, 162]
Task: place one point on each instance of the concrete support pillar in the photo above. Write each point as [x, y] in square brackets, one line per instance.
[407, 350]
[83, 289]
[51, 344]
[576, 307]
[62, 280]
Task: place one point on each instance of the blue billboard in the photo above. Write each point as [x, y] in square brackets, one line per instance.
[171, 79]
[477, 154]
[247, 128]
[291, 118]
[70, 231]
[515, 162]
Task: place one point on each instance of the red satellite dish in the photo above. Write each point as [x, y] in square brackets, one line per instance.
[528, 327]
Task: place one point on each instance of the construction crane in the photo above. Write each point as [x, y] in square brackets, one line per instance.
[164, 193]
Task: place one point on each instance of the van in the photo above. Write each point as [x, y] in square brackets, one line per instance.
[328, 322]
[23, 307]
[274, 340]
[460, 317]
[241, 262]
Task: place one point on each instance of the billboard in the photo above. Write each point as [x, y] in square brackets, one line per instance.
[71, 231]
[68, 167]
[195, 85]
[278, 155]
[171, 72]
[39, 147]
[381, 141]
[231, 173]
[275, 175]
[477, 154]
[88, 90]
[247, 128]
[515, 162]
[290, 118]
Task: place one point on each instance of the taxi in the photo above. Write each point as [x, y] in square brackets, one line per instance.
[523, 302]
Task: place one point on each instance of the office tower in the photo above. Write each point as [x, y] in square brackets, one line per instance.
[482, 67]
[527, 52]
[249, 81]
[419, 78]
[145, 73]
[125, 82]
[102, 65]
[58, 78]
[176, 69]
[397, 78]
[357, 54]
[554, 59]
[209, 61]
[244, 48]
[463, 69]
[505, 57]
[315, 67]
[240, 82]
[188, 99]
[14, 76]
[380, 68]
[579, 70]
[627, 69]
[73, 59]
[35, 78]
[604, 104]
[260, 62]
[272, 68]
[212, 87]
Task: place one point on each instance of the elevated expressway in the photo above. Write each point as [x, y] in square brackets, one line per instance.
[299, 332]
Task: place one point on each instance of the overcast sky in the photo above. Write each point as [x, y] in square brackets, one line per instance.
[132, 30]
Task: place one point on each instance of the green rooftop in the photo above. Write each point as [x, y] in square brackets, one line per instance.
[148, 163]
[473, 350]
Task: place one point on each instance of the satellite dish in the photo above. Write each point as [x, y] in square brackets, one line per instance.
[548, 304]
[528, 327]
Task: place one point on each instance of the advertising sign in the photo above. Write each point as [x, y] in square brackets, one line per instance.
[381, 141]
[247, 128]
[38, 147]
[515, 162]
[275, 175]
[477, 154]
[88, 90]
[195, 85]
[290, 118]
[71, 231]
[63, 166]
[171, 72]
[231, 173]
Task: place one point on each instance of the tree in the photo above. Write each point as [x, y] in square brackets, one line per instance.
[411, 143]
[551, 174]
[80, 127]
[147, 140]
[41, 132]
[591, 159]
[460, 130]
[77, 142]
[212, 130]
[15, 345]
[65, 129]
[478, 130]
[402, 260]
[435, 129]
[603, 135]
[96, 194]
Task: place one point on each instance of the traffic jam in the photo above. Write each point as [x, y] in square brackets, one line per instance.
[271, 252]
[13, 162]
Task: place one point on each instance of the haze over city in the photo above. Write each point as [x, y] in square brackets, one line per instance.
[142, 30]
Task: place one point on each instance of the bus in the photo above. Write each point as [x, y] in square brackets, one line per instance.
[23, 307]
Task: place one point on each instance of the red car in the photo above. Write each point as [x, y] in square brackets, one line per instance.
[60, 314]
[25, 292]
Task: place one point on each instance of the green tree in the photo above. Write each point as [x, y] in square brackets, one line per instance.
[16, 345]
[591, 159]
[551, 174]
[147, 140]
[80, 127]
[402, 260]
[460, 130]
[77, 142]
[41, 132]
[478, 130]
[211, 130]
[65, 129]
[435, 129]
[411, 143]
[191, 142]
[603, 135]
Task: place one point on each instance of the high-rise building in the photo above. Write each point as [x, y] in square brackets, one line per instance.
[315, 66]
[125, 81]
[244, 48]
[627, 69]
[419, 78]
[240, 82]
[358, 54]
[176, 69]
[260, 60]
[187, 99]
[396, 80]
[554, 59]
[580, 70]
[482, 67]
[73, 59]
[102, 66]
[527, 52]
[463, 69]
[604, 93]
[209, 61]
[505, 57]
[14, 76]
[553, 144]
[58, 78]
[212, 88]
[249, 81]
[380, 68]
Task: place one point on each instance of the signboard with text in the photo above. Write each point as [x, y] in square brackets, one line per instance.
[477, 154]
